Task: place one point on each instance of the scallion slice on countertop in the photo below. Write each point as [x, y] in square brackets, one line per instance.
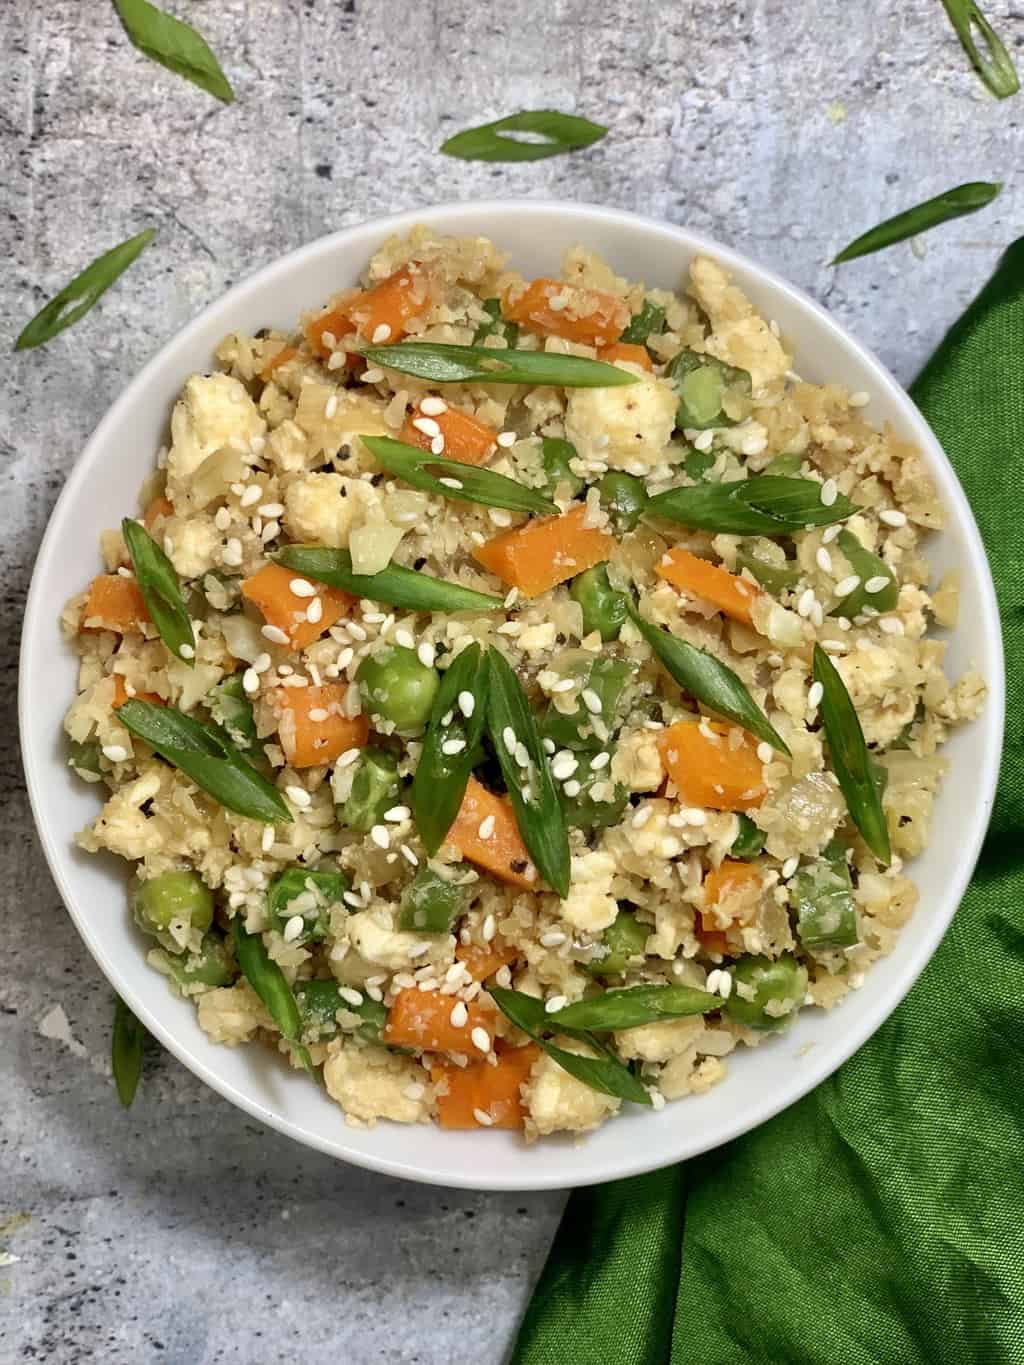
[206, 756]
[524, 765]
[455, 479]
[394, 586]
[712, 682]
[943, 208]
[994, 65]
[77, 297]
[605, 1072]
[160, 590]
[450, 746]
[269, 982]
[126, 1042]
[767, 505]
[440, 363]
[857, 774]
[175, 45]
[550, 133]
[633, 1007]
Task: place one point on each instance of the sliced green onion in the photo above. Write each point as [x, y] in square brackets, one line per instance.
[270, 984]
[126, 1044]
[651, 318]
[994, 65]
[175, 45]
[870, 570]
[441, 777]
[440, 363]
[160, 590]
[768, 505]
[943, 208]
[553, 134]
[857, 773]
[709, 680]
[395, 586]
[496, 325]
[633, 1007]
[454, 479]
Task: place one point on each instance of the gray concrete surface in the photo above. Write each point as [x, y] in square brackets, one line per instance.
[183, 1232]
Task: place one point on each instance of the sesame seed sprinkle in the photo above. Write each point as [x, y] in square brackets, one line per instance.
[293, 928]
[554, 938]
[486, 827]
[591, 701]
[404, 638]
[506, 439]
[789, 867]
[451, 747]
[274, 635]
[397, 814]
[556, 1002]
[815, 694]
[481, 1039]
[380, 836]
[315, 611]
[117, 753]
[381, 334]
[348, 757]
[829, 492]
[483, 1118]
[829, 534]
[432, 406]
[571, 788]
[298, 796]
[450, 483]
[459, 1015]
[301, 587]
[823, 559]
[892, 517]
[848, 585]
[427, 426]
[876, 584]
[467, 703]
[600, 760]
[426, 654]
[409, 856]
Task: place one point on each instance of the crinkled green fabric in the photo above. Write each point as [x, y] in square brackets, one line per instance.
[880, 1221]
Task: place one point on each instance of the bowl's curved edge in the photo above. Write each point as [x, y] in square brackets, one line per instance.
[991, 721]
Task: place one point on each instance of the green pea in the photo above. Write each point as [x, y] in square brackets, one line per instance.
[604, 608]
[823, 895]
[555, 457]
[749, 840]
[174, 896]
[651, 318]
[604, 678]
[84, 758]
[711, 393]
[496, 326]
[396, 687]
[319, 1003]
[624, 497]
[626, 941]
[326, 885]
[210, 966]
[430, 904]
[783, 979]
[768, 563]
[232, 710]
[582, 809]
[375, 789]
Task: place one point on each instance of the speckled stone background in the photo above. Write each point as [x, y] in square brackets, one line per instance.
[183, 1232]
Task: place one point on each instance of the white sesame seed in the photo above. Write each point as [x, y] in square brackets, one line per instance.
[548, 745]
[274, 635]
[404, 638]
[486, 827]
[696, 818]
[231, 555]
[556, 1002]
[381, 334]
[522, 756]
[806, 602]
[571, 788]
[187, 652]
[848, 585]
[823, 560]
[600, 760]
[375, 993]
[251, 680]
[432, 406]
[506, 439]
[789, 867]
[814, 695]
[764, 752]
[483, 1118]
[397, 814]
[711, 984]
[315, 610]
[500, 517]
[356, 631]
[271, 509]
[508, 738]
[427, 426]
[251, 495]
[380, 836]
[642, 816]
[337, 358]
[490, 928]
[564, 765]
[344, 659]
[426, 654]
[347, 758]
[222, 519]
[829, 492]
[670, 847]
[293, 928]
[298, 796]
[409, 856]
[417, 950]
[725, 984]
[554, 938]
[350, 995]
[414, 1091]
[892, 625]
[892, 517]
[459, 1015]
[301, 587]
[859, 399]
[451, 747]
[481, 1039]
[117, 753]
[467, 703]
[447, 718]
[437, 445]
[350, 898]
[331, 406]
[450, 483]
[877, 583]
[563, 685]
[703, 441]
[591, 701]
[829, 534]
[817, 616]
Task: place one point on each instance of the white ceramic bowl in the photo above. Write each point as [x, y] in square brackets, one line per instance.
[101, 488]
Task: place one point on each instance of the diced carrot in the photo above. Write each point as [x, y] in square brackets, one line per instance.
[121, 694]
[711, 940]
[158, 508]
[584, 315]
[483, 960]
[335, 322]
[503, 852]
[465, 438]
[391, 304]
[540, 554]
[730, 875]
[114, 603]
[627, 351]
[422, 1019]
[312, 728]
[731, 595]
[271, 591]
[281, 357]
[464, 1092]
[709, 771]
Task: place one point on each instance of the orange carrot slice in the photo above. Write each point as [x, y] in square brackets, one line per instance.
[540, 554]
[467, 1092]
[271, 591]
[392, 304]
[331, 325]
[502, 852]
[627, 351]
[422, 1019]
[711, 940]
[121, 694]
[311, 726]
[707, 770]
[465, 438]
[731, 595]
[285, 354]
[557, 308]
[113, 603]
[157, 509]
[731, 875]
[483, 960]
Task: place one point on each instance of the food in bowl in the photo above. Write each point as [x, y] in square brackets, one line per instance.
[516, 695]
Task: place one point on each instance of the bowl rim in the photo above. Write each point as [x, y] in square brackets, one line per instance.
[931, 929]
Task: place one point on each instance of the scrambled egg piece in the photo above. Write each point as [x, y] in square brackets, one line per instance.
[324, 509]
[626, 425]
[371, 1083]
[590, 904]
[558, 1102]
[214, 412]
[738, 336]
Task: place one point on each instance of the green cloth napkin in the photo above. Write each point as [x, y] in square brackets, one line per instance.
[880, 1221]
